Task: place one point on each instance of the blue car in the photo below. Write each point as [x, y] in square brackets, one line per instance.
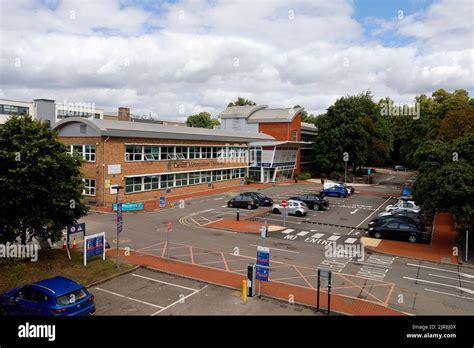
[335, 191]
[58, 296]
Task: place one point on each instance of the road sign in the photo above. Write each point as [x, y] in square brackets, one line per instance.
[79, 228]
[283, 203]
[94, 245]
[119, 218]
[262, 273]
[264, 231]
[129, 206]
[162, 201]
[369, 171]
[263, 256]
[169, 226]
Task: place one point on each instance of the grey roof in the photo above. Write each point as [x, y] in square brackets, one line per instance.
[274, 115]
[277, 142]
[240, 111]
[115, 128]
[308, 127]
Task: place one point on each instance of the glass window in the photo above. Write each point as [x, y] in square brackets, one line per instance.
[167, 152]
[194, 152]
[181, 152]
[181, 179]
[206, 152]
[150, 182]
[151, 153]
[133, 153]
[206, 176]
[133, 184]
[89, 187]
[194, 178]
[216, 175]
[167, 180]
[89, 153]
[226, 174]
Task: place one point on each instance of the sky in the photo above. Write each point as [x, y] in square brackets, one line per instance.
[172, 59]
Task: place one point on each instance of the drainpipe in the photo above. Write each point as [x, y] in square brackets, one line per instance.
[103, 171]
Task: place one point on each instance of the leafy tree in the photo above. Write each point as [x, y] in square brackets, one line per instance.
[40, 183]
[202, 120]
[241, 102]
[455, 124]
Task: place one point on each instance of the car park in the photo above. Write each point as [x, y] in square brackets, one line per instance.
[335, 191]
[314, 202]
[242, 201]
[293, 207]
[396, 230]
[263, 200]
[57, 296]
[404, 205]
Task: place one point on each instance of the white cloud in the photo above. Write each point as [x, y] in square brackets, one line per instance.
[208, 53]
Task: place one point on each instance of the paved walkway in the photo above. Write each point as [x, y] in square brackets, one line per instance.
[440, 250]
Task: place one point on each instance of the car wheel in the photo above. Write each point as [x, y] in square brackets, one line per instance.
[275, 211]
[412, 238]
[229, 205]
[249, 207]
[378, 235]
[298, 213]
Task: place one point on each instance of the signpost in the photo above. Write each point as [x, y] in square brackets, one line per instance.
[169, 227]
[283, 205]
[119, 223]
[129, 206]
[327, 276]
[242, 182]
[467, 245]
[263, 266]
[345, 158]
[79, 228]
[94, 245]
[369, 171]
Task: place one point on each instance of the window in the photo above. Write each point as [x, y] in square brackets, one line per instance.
[167, 152]
[206, 152]
[194, 178]
[206, 176]
[89, 187]
[181, 152]
[167, 180]
[393, 225]
[151, 152]
[194, 152]
[150, 183]
[12, 109]
[216, 175]
[87, 152]
[133, 184]
[219, 152]
[133, 153]
[226, 174]
[181, 179]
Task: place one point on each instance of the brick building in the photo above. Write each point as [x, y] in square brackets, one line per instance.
[153, 160]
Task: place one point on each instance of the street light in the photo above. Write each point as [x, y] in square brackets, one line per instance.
[119, 222]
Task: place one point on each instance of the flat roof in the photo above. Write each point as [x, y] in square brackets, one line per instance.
[127, 129]
[261, 113]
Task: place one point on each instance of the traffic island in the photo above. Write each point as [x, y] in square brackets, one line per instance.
[244, 225]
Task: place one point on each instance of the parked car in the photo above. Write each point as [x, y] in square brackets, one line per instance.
[329, 185]
[293, 207]
[413, 214]
[313, 201]
[404, 205]
[399, 168]
[396, 230]
[263, 200]
[335, 191]
[242, 201]
[351, 189]
[397, 218]
[58, 296]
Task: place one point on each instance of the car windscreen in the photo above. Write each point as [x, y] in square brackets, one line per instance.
[72, 297]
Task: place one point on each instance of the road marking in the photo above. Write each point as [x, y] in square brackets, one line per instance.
[288, 230]
[334, 238]
[448, 293]
[205, 211]
[181, 300]
[370, 214]
[355, 211]
[462, 274]
[302, 233]
[469, 291]
[288, 251]
[317, 235]
[160, 281]
[128, 298]
[350, 240]
[457, 279]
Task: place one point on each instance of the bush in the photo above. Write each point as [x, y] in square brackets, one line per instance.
[304, 176]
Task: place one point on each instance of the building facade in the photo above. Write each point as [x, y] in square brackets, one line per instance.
[154, 160]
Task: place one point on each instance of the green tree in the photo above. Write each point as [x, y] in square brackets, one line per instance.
[202, 120]
[241, 102]
[40, 183]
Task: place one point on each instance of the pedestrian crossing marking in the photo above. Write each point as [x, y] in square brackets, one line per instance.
[288, 230]
[350, 240]
[317, 235]
[302, 233]
[334, 238]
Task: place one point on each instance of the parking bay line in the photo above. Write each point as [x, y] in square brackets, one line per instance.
[160, 281]
[288, 251]
[457, 279]
[129, 298]
[181, 300]
[448, 293]
[370, 214]
[467, 275]
[469, 291]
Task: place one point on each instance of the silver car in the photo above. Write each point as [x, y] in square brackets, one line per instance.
[404, 205]
[293, 207]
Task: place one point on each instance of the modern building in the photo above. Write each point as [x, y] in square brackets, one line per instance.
[154, 160]
[281, 159]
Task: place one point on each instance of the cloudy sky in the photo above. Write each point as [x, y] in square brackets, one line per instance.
[175, 58]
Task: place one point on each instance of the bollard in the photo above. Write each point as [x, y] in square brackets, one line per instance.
[238, 214]
[244, 291]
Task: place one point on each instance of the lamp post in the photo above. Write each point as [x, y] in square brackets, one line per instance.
[119, 222]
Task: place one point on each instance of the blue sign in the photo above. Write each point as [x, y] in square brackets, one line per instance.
[95, 246]
[369, 171]
[242, 182]
[162, 201]
[119, 218]
[262, 273]
[79, 228]
[263, 258]
[129, 206]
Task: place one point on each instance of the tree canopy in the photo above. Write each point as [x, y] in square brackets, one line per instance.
[241, 102]
[202, 120]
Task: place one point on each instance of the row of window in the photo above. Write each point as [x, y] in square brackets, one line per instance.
[89, 187]
[157, 153]
[6, 109]
[73, 113]
[156, 182]
[88, 152]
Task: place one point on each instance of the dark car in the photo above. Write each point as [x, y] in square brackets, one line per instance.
[263, 200]
[398, 218]
[242, 201]
[313, 201]
[58, 296]
[396, 230]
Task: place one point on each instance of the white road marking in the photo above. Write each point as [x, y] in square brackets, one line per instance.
[317, 235]
[205, 211]
[288, 230]
[370, 214]
[160, 281]
[181, 300]
[469, 291]
[302, 233]
[448, 293]
[334, 238]
[128, 298]
[288, 251]
[355, 211]
[350, 240]
[457, 279]
[462, 274]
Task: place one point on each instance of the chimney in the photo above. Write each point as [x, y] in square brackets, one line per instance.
[123, 114]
